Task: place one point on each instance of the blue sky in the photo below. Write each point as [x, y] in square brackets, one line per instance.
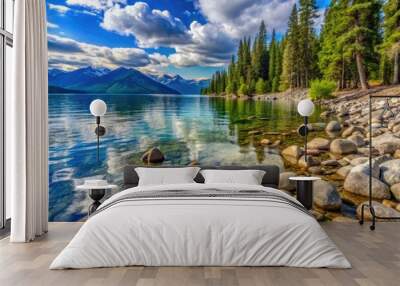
[193, 38]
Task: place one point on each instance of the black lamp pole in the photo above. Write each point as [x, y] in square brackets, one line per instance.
[98, 137]
[305, 138]
[100, 131]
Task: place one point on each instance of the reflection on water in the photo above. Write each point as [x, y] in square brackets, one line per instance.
[186, 128]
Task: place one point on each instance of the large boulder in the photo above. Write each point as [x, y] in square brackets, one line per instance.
[380, 210]
[333, 126]
[395, 189]
[357, 139]
[326, 196]
[319, 143]
[285, 183]
[350, 130]
[390, 172]
[387, 147]
[376, 162]
[292, 153]
[385, 138]
[358, 183]
[343, 146]
[154, 155]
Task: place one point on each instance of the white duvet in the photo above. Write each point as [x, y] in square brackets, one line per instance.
[203, 232]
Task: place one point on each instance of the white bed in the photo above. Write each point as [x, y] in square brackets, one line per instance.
[202, 231]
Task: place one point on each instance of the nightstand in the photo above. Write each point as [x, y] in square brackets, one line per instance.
[304, 190]
[97, 190]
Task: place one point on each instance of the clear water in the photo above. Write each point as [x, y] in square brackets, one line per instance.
[185, 127]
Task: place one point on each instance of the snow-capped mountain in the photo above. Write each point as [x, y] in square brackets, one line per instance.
[184, 86]
[102, 80]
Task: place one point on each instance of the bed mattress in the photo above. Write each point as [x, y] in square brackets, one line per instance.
[201, 225]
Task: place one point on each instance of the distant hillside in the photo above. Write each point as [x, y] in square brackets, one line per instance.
[121, 80]
[55, 89]
[184, 86]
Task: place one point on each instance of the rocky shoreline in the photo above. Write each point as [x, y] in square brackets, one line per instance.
[338, 150]
[340, 157]
[297, 94]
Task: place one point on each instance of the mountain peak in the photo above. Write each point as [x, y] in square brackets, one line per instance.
[102, 80]
[122, 69]
[175, 81]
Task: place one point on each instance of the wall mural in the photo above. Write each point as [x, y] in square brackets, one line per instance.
[209, 82]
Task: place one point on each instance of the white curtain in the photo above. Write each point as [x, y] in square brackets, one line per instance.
[26, 124]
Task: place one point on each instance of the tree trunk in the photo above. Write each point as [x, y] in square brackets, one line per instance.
[396, 68]
[342, 80]
[361, 71]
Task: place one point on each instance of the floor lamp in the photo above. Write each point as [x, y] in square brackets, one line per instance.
[98, 108]
[369, 204]
[305, 108]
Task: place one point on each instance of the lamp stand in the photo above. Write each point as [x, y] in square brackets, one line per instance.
[369, 205]
[305, 138]
[100, 131]
[98, 137]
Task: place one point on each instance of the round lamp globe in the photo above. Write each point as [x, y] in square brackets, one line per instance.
[98, 107]
[305, 107]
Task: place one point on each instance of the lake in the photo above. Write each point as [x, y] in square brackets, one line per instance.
[186, 128]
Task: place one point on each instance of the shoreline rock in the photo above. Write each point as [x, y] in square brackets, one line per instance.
[343, 147]
[333, 126]
[326, 196]
[358, 183]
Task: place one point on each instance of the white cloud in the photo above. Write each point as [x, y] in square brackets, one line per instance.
[207, 44]
[95, 4]
[59, 8]
[159, 59]
[67, 54]
[86, 12]
[52, 25]
[151, 28]
[242, 17]
[210, 46]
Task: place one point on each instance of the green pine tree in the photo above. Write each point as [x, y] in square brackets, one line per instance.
[290, 77]
[361, 19]
[308, 42]
[260, 53]
[273, 50]
[332, 61]
[261, 86]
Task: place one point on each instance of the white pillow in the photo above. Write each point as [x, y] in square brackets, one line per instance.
[248, 177]
[166, 176]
